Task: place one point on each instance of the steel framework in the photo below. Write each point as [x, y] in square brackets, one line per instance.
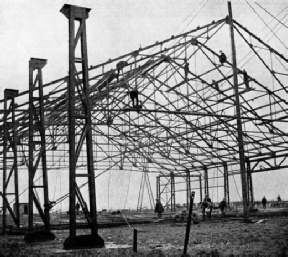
[194, 111]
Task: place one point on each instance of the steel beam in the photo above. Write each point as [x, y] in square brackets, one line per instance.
[249, 184]
[172, 191]
[206, 184]
[226, 184]
[78, 15]
[188, 188]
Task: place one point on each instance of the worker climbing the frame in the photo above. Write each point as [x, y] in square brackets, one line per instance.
[134, 95]
[222, 58]
[120, 66]
[186, 69]
[245, 78]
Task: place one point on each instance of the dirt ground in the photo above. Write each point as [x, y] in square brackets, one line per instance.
[216, 237]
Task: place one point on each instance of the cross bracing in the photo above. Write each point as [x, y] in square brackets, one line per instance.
[187, 120]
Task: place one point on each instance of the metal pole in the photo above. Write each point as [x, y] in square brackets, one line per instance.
[238, 115]
[200, 186]
[226, 184]
[188, 222]
[5, 139]
[206, 185]
[188, 187]
[250, 184]
[135, 240]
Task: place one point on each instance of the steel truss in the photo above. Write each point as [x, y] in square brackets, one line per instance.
[187, 120]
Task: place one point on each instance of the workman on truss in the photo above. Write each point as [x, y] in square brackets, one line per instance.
[134, 95]
[222, 58]
[186, 69]
[215, 83]
[246, 78]
[120, 66]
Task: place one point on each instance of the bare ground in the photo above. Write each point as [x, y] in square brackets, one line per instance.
[210, 238]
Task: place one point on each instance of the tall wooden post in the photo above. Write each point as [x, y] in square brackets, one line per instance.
[80, 118]
[37, 152]
[238, 115]
[10, 142]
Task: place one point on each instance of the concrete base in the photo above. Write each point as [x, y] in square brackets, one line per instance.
[39, 236]
[83, 241]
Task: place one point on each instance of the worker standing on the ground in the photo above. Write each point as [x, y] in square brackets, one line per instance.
[279, 200]
[77, 207]
[223, 207]
[159, 208]
[206, 203]
[222, 58]
[264, 202]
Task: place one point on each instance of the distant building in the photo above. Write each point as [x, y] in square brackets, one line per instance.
[23, 208]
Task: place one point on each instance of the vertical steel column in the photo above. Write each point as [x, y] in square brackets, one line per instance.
[37, 144]
[226, 184]
[10, 141]
[206, 185]
[200, 186]
[83, 115]
[173, 204]
[239, 122]
[249, 184]
[158, 188]
[188, 188]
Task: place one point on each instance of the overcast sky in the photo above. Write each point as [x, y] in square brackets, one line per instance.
[36, 28]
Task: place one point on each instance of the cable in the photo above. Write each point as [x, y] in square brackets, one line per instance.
[272, 15]
[266, 24]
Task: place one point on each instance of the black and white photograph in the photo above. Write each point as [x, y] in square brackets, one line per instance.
[143, 128]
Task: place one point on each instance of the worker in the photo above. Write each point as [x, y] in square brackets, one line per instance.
[120, 66]
[159, 209]
[246, 78]
[223, 207]
[77, 207]
[264, 202]
[215, 83]
[222, 58]
[134, 97]
[206, 203]
[278, 201]
[186, 69]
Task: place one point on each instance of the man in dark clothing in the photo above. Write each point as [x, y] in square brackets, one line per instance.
[206, 203]
[134, 97]
[246, 79]
[159, 208]
[223, 207]
[222, 58]
[264, 202]
[77, 207]
[279, 200]
[186, 68]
